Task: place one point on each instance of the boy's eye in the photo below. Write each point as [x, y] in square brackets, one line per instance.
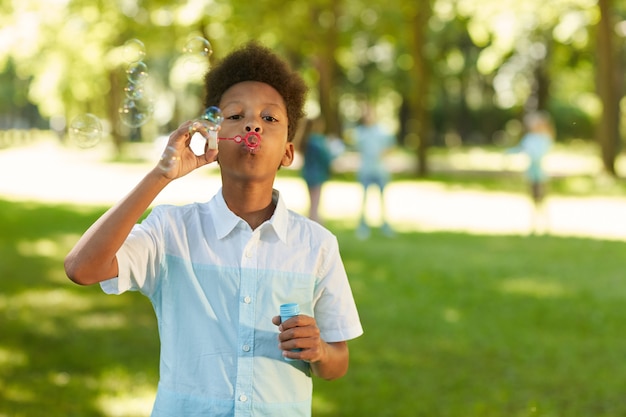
[237, 116]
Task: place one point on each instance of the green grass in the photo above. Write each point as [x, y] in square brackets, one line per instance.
[461, 325]
[64, 350]
[455, 325]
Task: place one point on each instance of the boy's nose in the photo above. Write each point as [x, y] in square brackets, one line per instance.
[250, 127]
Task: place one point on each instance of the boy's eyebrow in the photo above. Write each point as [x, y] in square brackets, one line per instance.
[268, 104]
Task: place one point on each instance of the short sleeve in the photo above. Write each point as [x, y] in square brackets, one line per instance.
[139, 258]
[334, 307]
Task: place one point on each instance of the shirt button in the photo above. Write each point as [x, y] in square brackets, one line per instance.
[246, 348]
[247, 299]
[243, 398]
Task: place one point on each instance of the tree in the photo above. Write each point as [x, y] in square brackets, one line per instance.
[418, 18]
[445, 65]
[328, 68]
[608, 82]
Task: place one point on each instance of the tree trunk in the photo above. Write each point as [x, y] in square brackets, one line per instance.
[327, 67]
[113, 103]
[608, 128]
[419, 85]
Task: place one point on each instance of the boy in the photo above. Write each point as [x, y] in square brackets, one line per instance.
[217, 272]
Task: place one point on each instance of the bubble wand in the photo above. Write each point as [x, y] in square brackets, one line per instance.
[251, 139]
[209, 124]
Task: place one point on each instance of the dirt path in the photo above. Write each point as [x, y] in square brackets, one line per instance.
[47, 172]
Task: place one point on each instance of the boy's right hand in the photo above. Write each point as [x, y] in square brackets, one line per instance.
[178, 159]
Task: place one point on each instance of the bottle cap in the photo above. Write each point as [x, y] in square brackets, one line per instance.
[289, 310]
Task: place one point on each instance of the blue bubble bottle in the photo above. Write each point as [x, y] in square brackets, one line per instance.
[287, 311]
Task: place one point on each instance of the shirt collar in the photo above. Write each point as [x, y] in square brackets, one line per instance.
[223, 219]
[280, 218]
[226, 221]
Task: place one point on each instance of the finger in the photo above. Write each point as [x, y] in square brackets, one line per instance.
[210, 155]
[308, 332]
[299, 321]
[301, 348]
[181, 135]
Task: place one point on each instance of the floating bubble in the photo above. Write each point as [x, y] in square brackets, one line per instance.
[134, 91]
[137, 72]
[168, 159]
[214, 115]
[199, 46]
[207, 125]
[136, 113]
[197, 51]
[85, 130]
[134, 50]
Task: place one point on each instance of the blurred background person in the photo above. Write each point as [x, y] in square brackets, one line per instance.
[536, 143]
[372, 143]
[316, 168]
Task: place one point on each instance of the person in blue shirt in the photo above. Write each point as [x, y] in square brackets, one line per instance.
[217, 272]
[372, 143]
[536, 144]
[318, 158]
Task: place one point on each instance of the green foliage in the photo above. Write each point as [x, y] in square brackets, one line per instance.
[571, 121]
[483, 54]
[455, 325]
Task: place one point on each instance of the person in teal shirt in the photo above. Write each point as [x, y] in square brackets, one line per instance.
[317, 163]
[372, 143]
[536, 144]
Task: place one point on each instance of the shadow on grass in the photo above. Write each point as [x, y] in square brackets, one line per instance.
[66, 350]
[455, 325]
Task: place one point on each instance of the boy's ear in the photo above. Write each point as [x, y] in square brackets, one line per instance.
[288, 155]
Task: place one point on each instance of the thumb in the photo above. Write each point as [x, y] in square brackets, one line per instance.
[210, 155]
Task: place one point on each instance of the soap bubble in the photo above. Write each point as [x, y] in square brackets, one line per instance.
[137, 107]
[134, 50]
[197, 45]
[137, 72]
[168, 159]
[213, 115]
[85, 130]
[136, 113]
[134, 91]
[197, 51]
[210, 120]
[207, 126]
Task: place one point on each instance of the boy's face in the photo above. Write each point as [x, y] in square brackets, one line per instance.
[258, 107]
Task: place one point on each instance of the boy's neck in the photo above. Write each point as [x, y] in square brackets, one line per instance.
[253, 204]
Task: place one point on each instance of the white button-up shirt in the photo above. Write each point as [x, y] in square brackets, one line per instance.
[215, 285]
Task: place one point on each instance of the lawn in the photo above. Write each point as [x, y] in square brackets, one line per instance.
[455, 325]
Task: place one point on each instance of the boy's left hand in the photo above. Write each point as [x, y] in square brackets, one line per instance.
[300, 332]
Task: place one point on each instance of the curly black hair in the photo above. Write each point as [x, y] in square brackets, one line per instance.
[254, 62]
